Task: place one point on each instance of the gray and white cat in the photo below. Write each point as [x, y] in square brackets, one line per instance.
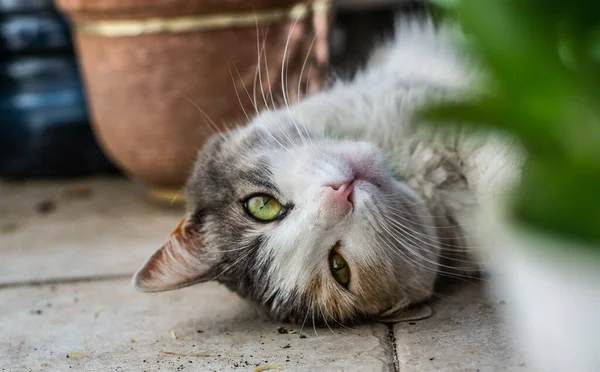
[341, 207]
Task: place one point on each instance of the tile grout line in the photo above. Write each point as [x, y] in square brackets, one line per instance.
[392, 341]
[72, 280]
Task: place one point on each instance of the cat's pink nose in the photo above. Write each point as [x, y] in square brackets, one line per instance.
[341, 194]
[337, 201]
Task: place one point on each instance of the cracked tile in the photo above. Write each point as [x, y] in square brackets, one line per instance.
[464, 334]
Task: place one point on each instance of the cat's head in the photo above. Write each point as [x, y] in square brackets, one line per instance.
[310, 228]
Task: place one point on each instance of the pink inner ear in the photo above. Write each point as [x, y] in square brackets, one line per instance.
[178, 263]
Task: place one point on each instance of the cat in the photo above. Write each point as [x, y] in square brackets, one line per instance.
[342, 207]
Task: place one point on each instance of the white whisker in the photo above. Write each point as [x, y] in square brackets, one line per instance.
[284, 71]
[207, 118]
[238, 96]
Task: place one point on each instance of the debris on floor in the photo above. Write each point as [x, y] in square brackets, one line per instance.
[267, 367]
[45, 207]
[78, 192]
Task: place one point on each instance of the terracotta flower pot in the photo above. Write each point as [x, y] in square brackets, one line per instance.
[158, 72]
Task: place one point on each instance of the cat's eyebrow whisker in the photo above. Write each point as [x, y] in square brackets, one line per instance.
[284, 76]
[269, 82]
[215, 128]
[262, 89]
[248, 118]
[271, 146]
[260, 50]
[306, 93]
[254, 80]
[302, 70]
[237, 94]
[285, 137]
[258, 64]
[257, 112]
[304, 66]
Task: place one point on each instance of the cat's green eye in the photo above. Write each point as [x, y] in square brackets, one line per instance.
[264, 207]
[339, 268]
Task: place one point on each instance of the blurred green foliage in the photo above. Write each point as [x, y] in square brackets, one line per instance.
[543, 58]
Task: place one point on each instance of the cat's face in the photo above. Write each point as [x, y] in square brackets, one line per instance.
[309, 228]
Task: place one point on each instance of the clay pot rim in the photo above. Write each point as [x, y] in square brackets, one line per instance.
[95, 10]
[134, 27]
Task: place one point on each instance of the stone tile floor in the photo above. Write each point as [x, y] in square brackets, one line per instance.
[68, 249]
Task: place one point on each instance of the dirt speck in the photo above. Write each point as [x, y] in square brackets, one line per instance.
[97, 312]
[45, 207]
[266, 367]
[79, 192]
[285, 331]
[9, 228]
[75, 355]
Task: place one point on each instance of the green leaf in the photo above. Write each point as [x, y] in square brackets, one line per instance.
[447, 4]
[561, 201]
[544, 61]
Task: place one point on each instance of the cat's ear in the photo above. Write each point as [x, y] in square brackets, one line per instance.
[417, 312]
[180, 262]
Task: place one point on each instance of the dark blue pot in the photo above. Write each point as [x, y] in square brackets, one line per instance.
[44, 127]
